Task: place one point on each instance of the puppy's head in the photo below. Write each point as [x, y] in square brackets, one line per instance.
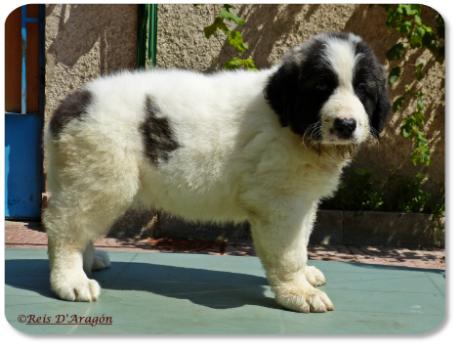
[331, 90]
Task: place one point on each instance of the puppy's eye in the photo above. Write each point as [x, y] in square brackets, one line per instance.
[362, 88]
[322, 87]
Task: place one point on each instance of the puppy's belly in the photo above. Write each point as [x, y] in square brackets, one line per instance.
[213, 203]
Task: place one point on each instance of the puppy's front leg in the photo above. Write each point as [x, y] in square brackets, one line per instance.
[280, 243]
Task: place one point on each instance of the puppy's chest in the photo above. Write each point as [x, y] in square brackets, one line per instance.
[318, 179]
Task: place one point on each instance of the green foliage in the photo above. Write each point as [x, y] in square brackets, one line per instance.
[234, 38]
[236, 63]
[226, 14]
[394, 74]
[412, 198]
[212, 29]
[396, 51]
[398, 104]
[411, 129]
[406, 19]
[359, 193]
[419, 74]
[397, 193]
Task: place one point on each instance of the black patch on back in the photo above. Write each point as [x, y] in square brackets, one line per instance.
[158, 137]
[74, 106]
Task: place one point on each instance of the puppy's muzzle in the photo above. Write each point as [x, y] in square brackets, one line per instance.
[344, 127]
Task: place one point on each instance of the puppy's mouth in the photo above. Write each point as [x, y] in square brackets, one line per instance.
[341, 132]
[336, 137]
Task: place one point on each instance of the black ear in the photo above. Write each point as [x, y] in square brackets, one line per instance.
[383, 102]
[281, 91]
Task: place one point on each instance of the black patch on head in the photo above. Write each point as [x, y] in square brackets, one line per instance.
[304, 82]
[371, 87]
[159, 140]
[299, 88]
[73, 107]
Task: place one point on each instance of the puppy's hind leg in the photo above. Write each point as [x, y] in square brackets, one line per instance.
[314, 276]
[73, 219]
[94, 260]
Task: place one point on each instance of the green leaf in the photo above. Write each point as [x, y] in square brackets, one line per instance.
[406, 9]
[395, 73]
[404, 27]
[418, 118]
[417, 20]
[230, 16]
[428, 29]
[249, 64]
[228, 7]
[420, 104]
[397, 105]
[408, 91]
[232, 64]
[420, 31]
[417, 8]
[419, 74]
[396, 51]
[218, 24]
[394, 16]
[236, 63]
[415, 41]
[405, 133]
[236, 40]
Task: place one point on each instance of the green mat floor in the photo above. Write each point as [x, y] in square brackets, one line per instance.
[154, 293]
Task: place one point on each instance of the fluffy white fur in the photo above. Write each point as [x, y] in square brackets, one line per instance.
[234, 163]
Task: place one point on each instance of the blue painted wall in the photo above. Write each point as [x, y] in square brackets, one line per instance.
[23, 136]
[23, 166]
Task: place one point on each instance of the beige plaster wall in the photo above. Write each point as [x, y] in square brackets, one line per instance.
[271, 30]
[86, 41]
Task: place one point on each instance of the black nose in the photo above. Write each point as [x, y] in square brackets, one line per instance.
[344, 126]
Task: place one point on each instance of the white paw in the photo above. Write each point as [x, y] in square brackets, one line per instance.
[101, 260]
[75, 286]
[303, 299]
[314, 276]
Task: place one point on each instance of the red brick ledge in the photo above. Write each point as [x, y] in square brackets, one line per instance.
[30, 235]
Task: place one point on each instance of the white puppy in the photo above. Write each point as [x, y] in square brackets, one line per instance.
[261, 146]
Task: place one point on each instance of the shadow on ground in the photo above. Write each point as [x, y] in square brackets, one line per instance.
[395, 268]
[213, 289]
